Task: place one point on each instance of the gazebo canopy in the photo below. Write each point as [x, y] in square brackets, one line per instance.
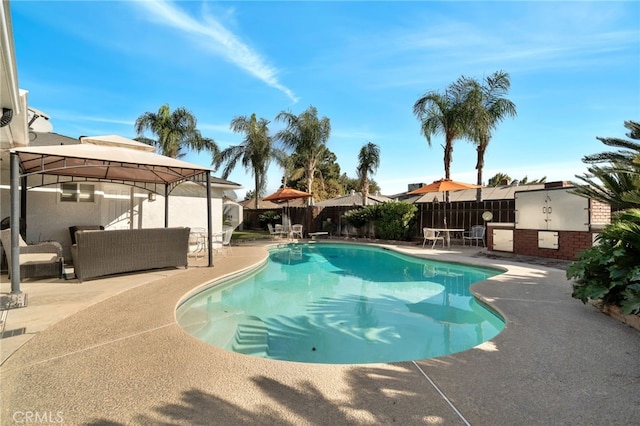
[88, 161]
[108, 163]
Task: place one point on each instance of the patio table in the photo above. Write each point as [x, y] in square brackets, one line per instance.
[448, 232]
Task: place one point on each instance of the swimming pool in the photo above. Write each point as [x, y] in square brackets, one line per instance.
[344, 304]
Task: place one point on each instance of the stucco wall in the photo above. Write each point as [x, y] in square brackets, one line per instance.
[50, 219]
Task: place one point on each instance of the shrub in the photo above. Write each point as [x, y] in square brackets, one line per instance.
[393, 220]
[610, 270]
[270, 216]
[358, 217]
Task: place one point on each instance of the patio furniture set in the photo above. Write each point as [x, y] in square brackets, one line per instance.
[280, 231]
[221, 241]
[433, 235]
[97, 252]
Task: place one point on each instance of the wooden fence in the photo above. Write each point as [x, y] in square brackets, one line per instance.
[461, 214]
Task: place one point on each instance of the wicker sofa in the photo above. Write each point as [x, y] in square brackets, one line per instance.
[98, 253]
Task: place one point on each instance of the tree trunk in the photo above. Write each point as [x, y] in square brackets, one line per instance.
[256, 194]
[448, 151]
[310, 173]
[482, 147]
[365, 191]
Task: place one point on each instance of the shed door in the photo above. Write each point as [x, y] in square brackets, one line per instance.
[531, 210]
[548, 239]
[503, 240]
[567, 212]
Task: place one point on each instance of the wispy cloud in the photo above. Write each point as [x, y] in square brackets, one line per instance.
[409, 54]
[218, 39]
[101, 120]
[73, 116]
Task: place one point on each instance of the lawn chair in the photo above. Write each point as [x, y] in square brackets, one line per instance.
[431, 234]
[475, 234]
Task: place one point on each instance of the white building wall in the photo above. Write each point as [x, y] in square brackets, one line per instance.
[49, 219]
[192, 212]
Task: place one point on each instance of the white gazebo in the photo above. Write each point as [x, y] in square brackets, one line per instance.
[47, 165]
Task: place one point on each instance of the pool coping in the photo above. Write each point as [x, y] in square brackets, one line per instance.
[553, 363]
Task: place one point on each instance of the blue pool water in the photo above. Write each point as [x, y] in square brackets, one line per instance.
[344, 304]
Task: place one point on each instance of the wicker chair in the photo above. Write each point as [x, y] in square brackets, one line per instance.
[36, 260]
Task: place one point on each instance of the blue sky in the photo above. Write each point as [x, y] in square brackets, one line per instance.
[94, 67]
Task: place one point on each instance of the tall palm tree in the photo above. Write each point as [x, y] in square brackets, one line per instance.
[173, 131]
[443, 113]
[255, 152]
[307, 135]
[368, 163]
[486, 106]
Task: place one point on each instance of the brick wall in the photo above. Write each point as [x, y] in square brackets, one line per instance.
[570, 244]
[600, 212]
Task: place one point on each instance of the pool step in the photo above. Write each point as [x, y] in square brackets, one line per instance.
[251, 337]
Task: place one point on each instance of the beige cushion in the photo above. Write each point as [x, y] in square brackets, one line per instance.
[30, 258]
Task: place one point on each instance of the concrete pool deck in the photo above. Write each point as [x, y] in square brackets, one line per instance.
[108, 351]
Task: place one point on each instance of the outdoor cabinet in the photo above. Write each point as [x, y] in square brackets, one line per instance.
[551, 210]
[502, 240]
[548, 240]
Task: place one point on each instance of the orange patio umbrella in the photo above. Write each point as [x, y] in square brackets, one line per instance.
[443, 185]
[285, 194]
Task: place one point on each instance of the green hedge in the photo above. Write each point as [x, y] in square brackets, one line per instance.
[392, 220]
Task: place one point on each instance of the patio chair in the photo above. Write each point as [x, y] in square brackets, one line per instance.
[296, 231]
[272, 231]
[197, 242]
[475, 234]
[281, 230]
[431, 234]
[225, 245]
[36, 260]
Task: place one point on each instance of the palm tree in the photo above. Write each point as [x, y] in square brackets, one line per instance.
[287, 163]
[368, 163]
[174, 131]
[618, 182]
[443, 113]
[498, 179]
[255, 152]
[486, 106]
[307, 135]
[526, 181]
